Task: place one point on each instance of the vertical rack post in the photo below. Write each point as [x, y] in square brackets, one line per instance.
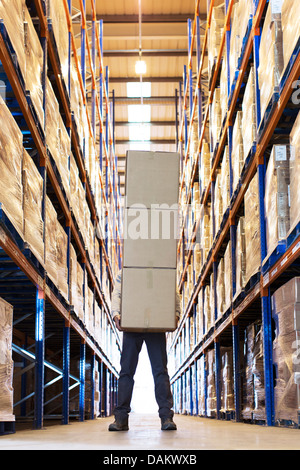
[82, 380]
[39, 358]
[66, 372]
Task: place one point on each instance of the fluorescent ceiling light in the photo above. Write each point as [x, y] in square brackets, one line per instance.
[138, 89]
[140, 67]
[139, 113]
[139, 132]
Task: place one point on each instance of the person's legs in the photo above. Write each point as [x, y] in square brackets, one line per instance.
[132, 343]
[156, 346]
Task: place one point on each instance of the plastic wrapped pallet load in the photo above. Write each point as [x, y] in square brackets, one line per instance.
[290, 28]
[249, 115]
[286, 351]
[52, 123]
[6, 362]
[295, 174]
[237, 156]
[58, 18]
[12, 14]
[240, 256]
[215, 35]
[64, 156]
[34, 67]
[227, 382]
[277, 212]
[252, 229]
[11, 157]
[50, 241]
[270, 54]
[33, 191]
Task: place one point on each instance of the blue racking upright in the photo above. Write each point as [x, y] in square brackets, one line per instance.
[220, 330]
[59, 348]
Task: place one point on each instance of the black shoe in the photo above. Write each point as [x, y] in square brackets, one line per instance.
[167, 424]
[119, 425]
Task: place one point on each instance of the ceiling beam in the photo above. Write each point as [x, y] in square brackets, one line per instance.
[147, 53]
[151, 142]
[150, 100]
[176, 18]
[146, 79]
[151, 123]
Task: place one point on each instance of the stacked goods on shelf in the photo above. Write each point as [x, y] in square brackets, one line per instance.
[33, 192]
[11, 157]
[286, 351]
[218, 206]
[12, 15]
[64, 156]
[150, 241]
[197, 260]
[277, 212]
[294, 174]
[237, 156]
[240, 256]
[34, 67]
[225, 181]
[241, 13]
[211, 402]
[252, 229]
[215, 120]
[201, 386]
[205, 166]
[57, 17]
[52, 120]
[249, 115]
[290, 28]
[270, 55]
[253, 386]
[56, 250]
[207, 309]
[224, 88]
[220, 288]
[199, 317]
[227, 277]
[212, 300]
[227, 383]
[6, 362]
[215, 36]
[205, 233]
[77, 104]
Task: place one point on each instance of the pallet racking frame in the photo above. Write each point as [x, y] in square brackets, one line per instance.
[38, 304]
[284, 261]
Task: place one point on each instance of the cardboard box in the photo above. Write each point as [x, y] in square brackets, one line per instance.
[152, 178]
[148, 300]
[150, 238]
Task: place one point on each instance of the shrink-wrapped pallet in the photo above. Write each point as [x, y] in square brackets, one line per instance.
[34, 67]
[51, 241]
[237, 155]
[73, 278]
[77, 103]
[201, 386]
[199, 317]
[11, 157]
[249, 115]
[80, 291]
[6, 363]
[58, 18]
[220, 288]
[290, 29]
[253, 384]
[240, 256]
[218, 202]
[52, 123]
[286, 351]
[252, 229]
[89, 311]
[295, 174]
[61, 259]
[227, 382]
[205, 233]
[241, 14]
[277, 211]
[215, 119]
[205, 166]
[270, 55]
[12, 14]
[33, 192]
[211, 384]
[215, 35]
[224, 88]
[74, 196]
[206, 309]
[64, 156]
[227, 277]
[212, 299]
[225, 181]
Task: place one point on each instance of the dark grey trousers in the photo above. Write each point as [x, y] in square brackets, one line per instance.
[156, 347]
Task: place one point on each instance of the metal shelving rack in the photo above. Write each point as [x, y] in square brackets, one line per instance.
[255, 303]
[44, 321]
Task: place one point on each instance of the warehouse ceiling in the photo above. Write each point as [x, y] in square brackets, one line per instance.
[160, 28]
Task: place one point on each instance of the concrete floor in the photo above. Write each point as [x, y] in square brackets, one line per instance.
[192, 433]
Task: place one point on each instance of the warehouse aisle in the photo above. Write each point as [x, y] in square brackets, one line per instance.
[192, 434]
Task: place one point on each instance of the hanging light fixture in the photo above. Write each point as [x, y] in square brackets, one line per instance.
[140, 65]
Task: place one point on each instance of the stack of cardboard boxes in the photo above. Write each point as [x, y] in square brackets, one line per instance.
[150, 241]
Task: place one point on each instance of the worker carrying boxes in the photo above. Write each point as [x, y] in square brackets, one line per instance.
[148, 300]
